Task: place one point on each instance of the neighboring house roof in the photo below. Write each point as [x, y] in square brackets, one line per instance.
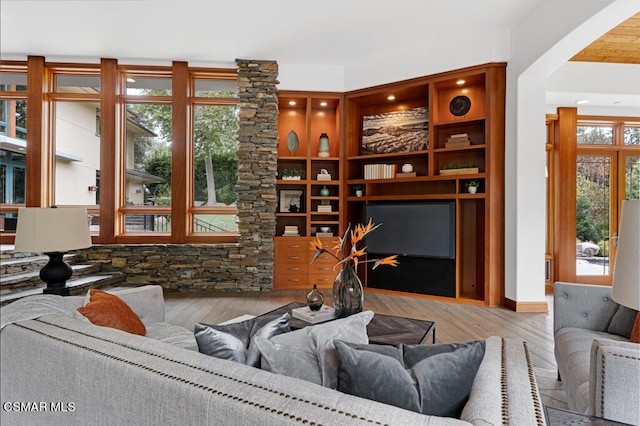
[18, 145]
[144, 177]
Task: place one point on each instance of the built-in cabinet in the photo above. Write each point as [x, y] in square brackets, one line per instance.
[309, 202]
[451, 132]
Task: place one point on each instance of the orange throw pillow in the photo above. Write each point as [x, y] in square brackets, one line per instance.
[635, 333]
[109, 310]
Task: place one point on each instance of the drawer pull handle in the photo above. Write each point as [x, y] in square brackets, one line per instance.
[293, 269]
[323, 269]
[294, 280]
[294, 257]
[293, 246]
[323, 279]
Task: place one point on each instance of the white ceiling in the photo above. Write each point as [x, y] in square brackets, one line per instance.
[339, 34]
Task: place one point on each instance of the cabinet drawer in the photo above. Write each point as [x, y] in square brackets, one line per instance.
[324, 259]
[288, 280]
[292, 252]
[292, 268]
[322, 279]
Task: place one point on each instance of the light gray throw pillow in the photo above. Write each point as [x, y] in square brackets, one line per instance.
[429, 379]
[236, 341]
[309, 353]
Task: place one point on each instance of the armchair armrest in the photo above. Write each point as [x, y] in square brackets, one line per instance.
[582, 306]
[614, 382]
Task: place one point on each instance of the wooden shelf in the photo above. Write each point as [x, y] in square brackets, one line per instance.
[460, 148]
[479, 262]
[460, 121]
[390, 155]
[312, 115]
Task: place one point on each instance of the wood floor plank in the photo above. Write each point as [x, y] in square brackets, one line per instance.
[455, 322]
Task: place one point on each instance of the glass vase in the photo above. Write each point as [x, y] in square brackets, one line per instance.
[348, 295]
[315, 299]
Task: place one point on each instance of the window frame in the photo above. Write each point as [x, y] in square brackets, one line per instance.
[41, 97]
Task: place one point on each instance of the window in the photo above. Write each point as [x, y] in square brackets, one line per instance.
[13, 135]
[116, 136]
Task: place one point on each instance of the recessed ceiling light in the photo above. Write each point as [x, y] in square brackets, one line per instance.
[131, 80]
[323, 103]
[460, 82]
[292, 102]
[391, 98]
[582, 102]
[617, 102]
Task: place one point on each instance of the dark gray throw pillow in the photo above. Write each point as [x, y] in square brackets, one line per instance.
[622, 322]
[429, 379]
[235, 341]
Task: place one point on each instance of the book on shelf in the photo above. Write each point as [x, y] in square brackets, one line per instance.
[379, 171]
[322, 208]
[321, 176]
[459, 139]
[325, 313]
[406, 174]
[324, 234]
[291, 231]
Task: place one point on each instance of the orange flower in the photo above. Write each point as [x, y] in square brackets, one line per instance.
[352, 259]
[389, 260]
[316, 244]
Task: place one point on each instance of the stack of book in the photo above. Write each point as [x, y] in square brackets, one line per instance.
[379, 171]
[325, 313]
[324, 208]
[291, 231]
[460, 139]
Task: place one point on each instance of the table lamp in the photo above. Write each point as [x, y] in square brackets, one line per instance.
[53, 231]
[626, 271]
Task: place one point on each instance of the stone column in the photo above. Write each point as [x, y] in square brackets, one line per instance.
[257, 168]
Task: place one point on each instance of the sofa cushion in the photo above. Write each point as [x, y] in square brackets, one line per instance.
[108, 310]
[235, 341]
[173, 334]
[309, 353]
[429, 379]
[622, 321]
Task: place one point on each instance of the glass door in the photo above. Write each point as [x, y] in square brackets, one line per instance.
[595, 216]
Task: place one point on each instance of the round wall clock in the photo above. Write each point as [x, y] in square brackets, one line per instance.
[460, 105]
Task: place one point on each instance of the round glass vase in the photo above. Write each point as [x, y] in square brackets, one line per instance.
[348, 294]
[315, 299]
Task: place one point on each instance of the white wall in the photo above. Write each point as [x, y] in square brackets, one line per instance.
[541, 44]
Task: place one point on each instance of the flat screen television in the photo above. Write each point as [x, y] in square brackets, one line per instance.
[424, 229]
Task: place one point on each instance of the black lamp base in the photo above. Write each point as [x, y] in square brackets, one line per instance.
[55, 274]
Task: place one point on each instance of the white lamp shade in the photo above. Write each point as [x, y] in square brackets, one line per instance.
[47, 230]
[626, 272]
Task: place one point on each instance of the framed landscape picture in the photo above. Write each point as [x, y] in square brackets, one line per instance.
[397, 131]
[290, 201]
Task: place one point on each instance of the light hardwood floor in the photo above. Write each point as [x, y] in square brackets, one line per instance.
[454, 322]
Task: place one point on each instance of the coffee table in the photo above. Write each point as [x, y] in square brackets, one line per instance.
[383, 329]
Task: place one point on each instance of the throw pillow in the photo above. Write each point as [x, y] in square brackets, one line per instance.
[635, 333]
[622, 322]
[235, 341]
[108, 310]
[309, 353]
[429, 379]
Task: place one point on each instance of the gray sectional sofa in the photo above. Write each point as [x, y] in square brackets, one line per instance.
[599, 367]
[61, 369]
